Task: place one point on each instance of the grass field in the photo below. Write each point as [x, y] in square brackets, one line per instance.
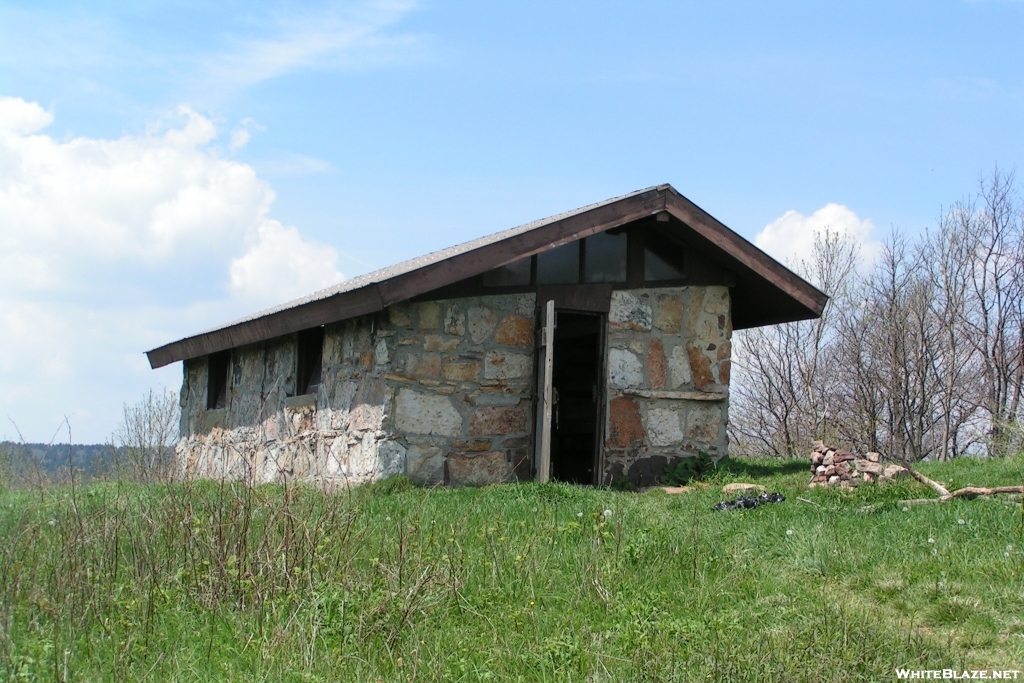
[516, 582]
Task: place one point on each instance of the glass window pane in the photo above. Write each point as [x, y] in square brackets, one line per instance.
[512, 274]
[657, 268]
[559, 266]
[605, 258]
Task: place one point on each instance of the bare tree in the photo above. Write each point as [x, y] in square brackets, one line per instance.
[144, 441]
[995, 319]
[921, 357]
[786, 392]
[947, 257]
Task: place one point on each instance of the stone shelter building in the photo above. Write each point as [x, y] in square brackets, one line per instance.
[585, 347]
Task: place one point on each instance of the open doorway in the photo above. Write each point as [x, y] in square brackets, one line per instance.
[576, 382]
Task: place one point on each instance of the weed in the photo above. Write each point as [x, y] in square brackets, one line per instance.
[687, 470]
[227, 581]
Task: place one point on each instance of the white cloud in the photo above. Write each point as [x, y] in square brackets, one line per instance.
[790, 238]
[281, 265]
[242, 133]
[22, 118]
[314, 42]
[109, 247]
[74, 209]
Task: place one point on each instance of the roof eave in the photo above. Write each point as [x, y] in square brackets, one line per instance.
[748, 255]
[376, 295]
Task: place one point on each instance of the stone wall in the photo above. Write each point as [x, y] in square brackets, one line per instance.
[440, 391]
[668, 357]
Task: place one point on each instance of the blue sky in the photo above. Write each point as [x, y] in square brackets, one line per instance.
[167, 166]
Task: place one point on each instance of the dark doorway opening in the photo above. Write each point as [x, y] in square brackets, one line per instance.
[576, 379]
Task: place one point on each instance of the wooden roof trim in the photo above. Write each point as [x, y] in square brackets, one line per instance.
[339, 307]
[746, 253]
[444, 268]
[376, 295]
[483, 259]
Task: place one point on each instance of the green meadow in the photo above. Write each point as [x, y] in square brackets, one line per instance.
[524, 582]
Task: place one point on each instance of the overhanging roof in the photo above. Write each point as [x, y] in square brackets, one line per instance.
[765, 292]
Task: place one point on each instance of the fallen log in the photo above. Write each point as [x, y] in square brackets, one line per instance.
[945, 495]
[936, 486]
[968, 492]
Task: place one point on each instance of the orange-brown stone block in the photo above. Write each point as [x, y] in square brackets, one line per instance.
[625, 427]
[472, 445]
[668, 313]
[496, 420]
[514, 330]
[724, 370]
[428, 367]
[461, 372]
[656, 365]
[477, 470]
[700, 367]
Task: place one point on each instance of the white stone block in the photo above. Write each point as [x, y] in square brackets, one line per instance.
[663, 427]
[629, 311]
[417, 413]
[679, 367]
[624, 369]
[505, 365]
[482, 322]
[702, 424]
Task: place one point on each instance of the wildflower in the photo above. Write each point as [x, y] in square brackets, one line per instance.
[607, 514]
[789, 532]
[1009, 548]
[532, 603]
[579, 514]
[931, 540]
[961, 522]
[387, 519]
[905, 508]
[935, 551]
[534, 509]
[52, 522]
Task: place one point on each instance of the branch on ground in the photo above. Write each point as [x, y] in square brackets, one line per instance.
[945, 494]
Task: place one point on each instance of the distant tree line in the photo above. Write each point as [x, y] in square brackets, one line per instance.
[140, 449]
[919, 354]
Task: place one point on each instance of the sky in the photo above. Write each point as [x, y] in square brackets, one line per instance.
[169, 166]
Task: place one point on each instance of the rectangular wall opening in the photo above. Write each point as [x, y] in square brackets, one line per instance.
[576, 380]
[219, 365]
[310, 361]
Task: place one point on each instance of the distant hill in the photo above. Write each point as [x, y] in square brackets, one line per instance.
[55, 461]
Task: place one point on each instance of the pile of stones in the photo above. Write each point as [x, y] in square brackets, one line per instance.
[837, 467]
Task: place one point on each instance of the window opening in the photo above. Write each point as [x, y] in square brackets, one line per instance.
[310, 361]
[663, 259]
[515, 274]
[605, 257]
[559, 266]
[218, 366]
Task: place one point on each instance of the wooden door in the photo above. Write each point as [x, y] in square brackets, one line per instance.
[545, 363]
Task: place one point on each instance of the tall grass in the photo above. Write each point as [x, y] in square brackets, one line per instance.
[218, 580]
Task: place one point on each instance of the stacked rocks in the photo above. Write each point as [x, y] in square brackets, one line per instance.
[837, 467]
